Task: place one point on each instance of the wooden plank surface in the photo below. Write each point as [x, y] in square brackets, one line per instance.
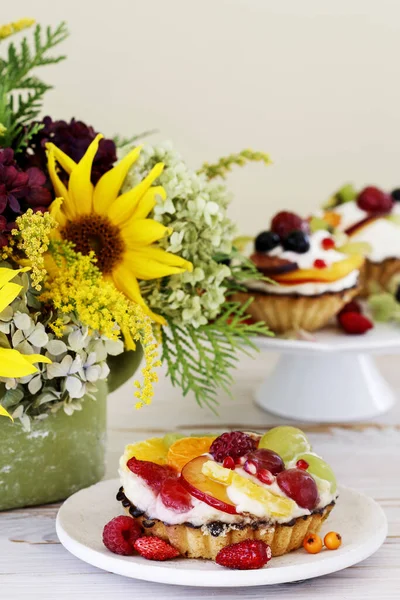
[365, 456]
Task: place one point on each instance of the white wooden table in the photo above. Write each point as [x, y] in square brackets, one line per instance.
[366, 457]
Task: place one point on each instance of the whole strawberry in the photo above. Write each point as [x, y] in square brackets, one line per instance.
[354, 323]
[250, 554]
[120, 534]
[154, 548]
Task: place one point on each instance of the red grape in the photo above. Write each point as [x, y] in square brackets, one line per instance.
[300, 486]
[267, 459]
[285, 222]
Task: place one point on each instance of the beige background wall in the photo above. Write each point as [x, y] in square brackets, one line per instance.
[315, 83]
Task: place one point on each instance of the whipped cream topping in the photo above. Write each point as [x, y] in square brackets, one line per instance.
[144, 498]
[382, 234]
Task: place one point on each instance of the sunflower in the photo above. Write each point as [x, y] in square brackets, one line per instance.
[115, 227]
[12, 362]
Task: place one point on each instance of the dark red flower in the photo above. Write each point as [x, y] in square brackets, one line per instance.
[74, 139]
[19, 190]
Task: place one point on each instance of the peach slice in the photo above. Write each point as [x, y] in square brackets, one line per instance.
[203, 488]
[335, 271]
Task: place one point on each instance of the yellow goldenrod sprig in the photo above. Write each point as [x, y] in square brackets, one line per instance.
[14, 27]
[224, 165]
[33, 239]
[78, 286]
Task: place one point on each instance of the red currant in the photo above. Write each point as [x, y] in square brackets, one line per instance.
[320, 264]
[328, 243]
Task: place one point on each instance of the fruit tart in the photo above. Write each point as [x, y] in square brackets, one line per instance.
[311, 280]
[203, 494]
[372, 217]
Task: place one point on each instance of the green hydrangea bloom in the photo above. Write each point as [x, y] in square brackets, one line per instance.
[195, 209]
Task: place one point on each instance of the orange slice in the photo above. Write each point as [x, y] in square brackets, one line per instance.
[335, 271]
[186, 449]
[332, 218]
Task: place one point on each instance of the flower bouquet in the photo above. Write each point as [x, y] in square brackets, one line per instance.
[110, 252]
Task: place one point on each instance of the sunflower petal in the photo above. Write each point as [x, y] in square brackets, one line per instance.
[127, 283]
[109, 185]
[14, 364]
[80, 187]
[167, 258]
[139, 206]
[4, 413]
[56, 212]
[63, 159]
[59, 187]
[143, 232]
[146, 265]
[8, 293]
[37, 358]
[7, 275]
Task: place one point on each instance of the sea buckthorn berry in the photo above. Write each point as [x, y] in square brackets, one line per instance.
[319, 263]
[302, 464]
[229, 463]
[328, 243]
[333, 540]
[312, 543]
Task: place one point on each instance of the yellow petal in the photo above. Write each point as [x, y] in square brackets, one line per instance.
[80, 187]
[63, 159]
[128, 339]
[5, 413]
[147, 265]
[127, 283]
[56, 212]
[109, 185]
[14, 364]
[8, 293]
[37, 358]
[59, 187]
[7, 275]
[143, 232]
[140, 208]
[167, 258]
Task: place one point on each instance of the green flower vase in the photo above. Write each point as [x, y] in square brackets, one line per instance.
[61, 454]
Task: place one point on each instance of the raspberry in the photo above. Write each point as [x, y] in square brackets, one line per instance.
[319, 263]
[285, 222]
[352, 306]
[374, 200]
[154, 548]
[175, 497]
[120, 534]
[234, 444]
[250, 554]
[153, 474]
[354, 323]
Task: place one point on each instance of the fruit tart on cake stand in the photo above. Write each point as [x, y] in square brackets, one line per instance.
[326, 375]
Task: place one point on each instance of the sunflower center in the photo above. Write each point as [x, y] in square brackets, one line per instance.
[96, 233]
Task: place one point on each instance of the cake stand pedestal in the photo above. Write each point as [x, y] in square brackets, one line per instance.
[330, 379]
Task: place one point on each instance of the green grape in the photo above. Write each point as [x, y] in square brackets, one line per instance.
[286, 441]
[319, 468]
[170, 438]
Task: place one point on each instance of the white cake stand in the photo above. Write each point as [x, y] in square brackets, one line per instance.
[331, 379]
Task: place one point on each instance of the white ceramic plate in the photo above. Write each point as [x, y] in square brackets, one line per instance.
[384, 338]
[81, 519]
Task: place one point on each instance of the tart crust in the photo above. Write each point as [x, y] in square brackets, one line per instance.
[380, 274]
[285, 312]
[206, 542]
